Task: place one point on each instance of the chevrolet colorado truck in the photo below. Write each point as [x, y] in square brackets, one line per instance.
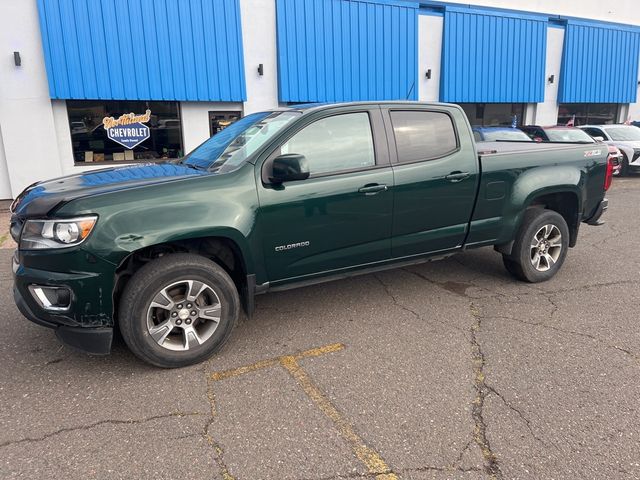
[170, 252]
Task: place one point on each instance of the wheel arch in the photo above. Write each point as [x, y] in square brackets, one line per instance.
[567, 204]
[223, 250]
[564, 200]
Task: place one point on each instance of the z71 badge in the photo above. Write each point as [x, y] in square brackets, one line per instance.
[592, 153]
[291, 246]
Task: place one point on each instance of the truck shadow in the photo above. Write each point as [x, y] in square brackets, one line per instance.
[275, 312]
[456, 274]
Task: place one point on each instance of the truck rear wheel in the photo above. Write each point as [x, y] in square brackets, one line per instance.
[178, 310]
[540, 247]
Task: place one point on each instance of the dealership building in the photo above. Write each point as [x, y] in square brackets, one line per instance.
[87, 84]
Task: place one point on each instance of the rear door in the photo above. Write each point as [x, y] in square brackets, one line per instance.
[435, 179]
[341, 215]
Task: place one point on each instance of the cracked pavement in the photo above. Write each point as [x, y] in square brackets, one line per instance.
[448, 370]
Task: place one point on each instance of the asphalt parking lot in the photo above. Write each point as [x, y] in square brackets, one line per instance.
[446, 370]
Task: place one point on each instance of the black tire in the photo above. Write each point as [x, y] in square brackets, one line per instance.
[624, 166]
[145, 285]
[520, 263]
[512, 267]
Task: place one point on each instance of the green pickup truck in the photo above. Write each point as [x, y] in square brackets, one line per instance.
[171, 252]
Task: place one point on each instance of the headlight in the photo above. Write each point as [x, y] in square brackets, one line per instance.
[60, 233]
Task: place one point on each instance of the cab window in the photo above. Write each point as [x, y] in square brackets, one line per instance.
[333, 144]
[423, 135]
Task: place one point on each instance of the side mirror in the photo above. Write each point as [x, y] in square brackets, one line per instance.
[537, 139]
[599, 139]
[288, 167]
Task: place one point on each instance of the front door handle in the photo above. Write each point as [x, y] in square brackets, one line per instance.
[457, 176]
[372, 189]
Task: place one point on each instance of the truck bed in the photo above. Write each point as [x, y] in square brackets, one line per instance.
[498, 148]
[511, 173]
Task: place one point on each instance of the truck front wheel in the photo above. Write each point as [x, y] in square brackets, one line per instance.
[178, 310]
[540, 247]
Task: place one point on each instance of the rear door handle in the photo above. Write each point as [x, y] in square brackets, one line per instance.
[372, 189]
[457, 176]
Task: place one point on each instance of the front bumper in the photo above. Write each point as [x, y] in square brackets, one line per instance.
[90, 340]
[87, 323]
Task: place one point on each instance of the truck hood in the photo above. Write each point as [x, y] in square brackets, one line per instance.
[40, 198]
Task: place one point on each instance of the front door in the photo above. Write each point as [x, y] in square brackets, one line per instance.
[341, 215]
[436, 174]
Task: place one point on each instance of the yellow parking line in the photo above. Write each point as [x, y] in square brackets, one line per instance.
[234, 372]
[314, 352]
[369, 457]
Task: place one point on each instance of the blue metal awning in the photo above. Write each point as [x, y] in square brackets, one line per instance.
[143, 49]
[339, 50]
[599, 63]
[493, 57]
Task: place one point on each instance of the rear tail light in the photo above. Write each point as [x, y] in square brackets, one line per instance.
[608, 177]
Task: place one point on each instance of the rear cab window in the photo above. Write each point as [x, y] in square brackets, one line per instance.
[423, 135]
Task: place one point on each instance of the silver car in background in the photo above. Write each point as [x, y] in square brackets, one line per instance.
[625, 137]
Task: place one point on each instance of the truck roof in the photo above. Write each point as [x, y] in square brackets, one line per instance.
[608, 125]
[309, 107]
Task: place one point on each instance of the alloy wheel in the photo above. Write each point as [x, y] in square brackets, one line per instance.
[546, 247]
[184, 315]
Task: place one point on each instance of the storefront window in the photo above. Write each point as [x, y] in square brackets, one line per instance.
[588, 113]
[124, 131]
[218, 121]
[494, 114]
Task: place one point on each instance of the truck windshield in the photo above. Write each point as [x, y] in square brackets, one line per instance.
[624, 133]
[228, 149]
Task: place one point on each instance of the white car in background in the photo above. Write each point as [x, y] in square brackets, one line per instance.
[625, 137]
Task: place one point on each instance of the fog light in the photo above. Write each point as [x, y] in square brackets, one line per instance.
[53, 299]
